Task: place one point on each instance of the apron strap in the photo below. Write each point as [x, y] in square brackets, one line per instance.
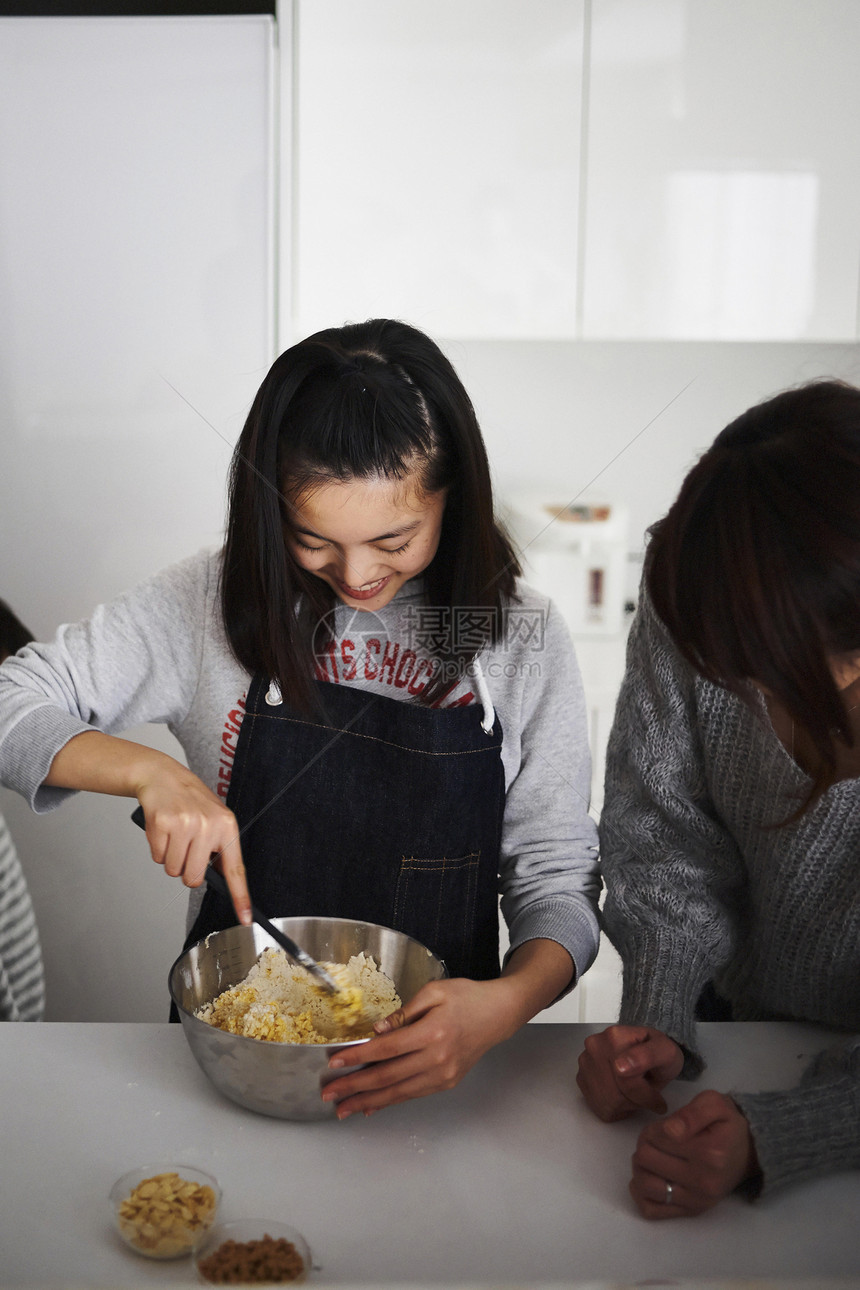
[488, 720]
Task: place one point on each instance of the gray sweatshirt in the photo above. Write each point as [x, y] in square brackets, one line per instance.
[699, 888]
[159, 654]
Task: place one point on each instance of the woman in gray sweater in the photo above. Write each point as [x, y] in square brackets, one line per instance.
[731, 831]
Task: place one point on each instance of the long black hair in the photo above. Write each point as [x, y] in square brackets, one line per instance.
[755, 570]
[356, 402]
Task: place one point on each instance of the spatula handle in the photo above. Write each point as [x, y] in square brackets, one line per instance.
[295, 952]
[217, 883]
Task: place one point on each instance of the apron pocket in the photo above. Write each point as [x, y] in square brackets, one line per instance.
[435, 901]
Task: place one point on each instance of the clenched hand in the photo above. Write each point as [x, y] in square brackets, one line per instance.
[624, 1068]
[705, 1150]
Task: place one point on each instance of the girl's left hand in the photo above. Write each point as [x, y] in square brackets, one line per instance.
[424, 1047]
[704, 1151]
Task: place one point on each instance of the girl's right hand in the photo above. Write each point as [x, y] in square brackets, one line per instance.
[187, 826]
[623, 1069]
[185, 822]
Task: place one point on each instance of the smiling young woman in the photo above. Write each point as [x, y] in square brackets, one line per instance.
[381, 722]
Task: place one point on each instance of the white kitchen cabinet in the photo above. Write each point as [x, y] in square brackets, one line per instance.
[436, 165]
[723, 192]
[577, 169]
[136, 178]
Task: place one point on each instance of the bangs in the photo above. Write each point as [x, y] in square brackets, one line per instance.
[358, 422]
[740, 600]
[734, 631]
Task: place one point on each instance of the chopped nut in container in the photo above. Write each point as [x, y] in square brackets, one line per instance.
[254, 1252]
[164, 1212]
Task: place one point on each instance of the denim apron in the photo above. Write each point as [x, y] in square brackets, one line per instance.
[375, 810]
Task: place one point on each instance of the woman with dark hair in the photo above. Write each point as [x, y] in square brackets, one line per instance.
[730, 836]
[366, 696]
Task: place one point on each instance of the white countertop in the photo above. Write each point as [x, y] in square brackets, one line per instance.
[508, 1180]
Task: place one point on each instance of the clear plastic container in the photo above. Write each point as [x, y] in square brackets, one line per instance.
[245, 1252]
[164, 1210]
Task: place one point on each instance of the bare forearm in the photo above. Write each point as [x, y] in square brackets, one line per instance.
[99, 763]
[186, 824]
[534, 975]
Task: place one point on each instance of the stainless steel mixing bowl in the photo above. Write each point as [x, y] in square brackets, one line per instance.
[284, 1080]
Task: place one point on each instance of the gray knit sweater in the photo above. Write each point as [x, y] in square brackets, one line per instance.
[699, 888]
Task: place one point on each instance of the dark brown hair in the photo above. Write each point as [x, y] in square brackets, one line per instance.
[755, 570]
[13, 634]
[349, 403]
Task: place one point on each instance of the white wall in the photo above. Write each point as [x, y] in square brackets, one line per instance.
[622, 420]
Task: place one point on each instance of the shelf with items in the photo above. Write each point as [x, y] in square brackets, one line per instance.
[576, 553]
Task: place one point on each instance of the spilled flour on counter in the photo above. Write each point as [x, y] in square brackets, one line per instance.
[281, 1002]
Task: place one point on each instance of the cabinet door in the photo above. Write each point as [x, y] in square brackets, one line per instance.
[135, 325]
[436, 165]
[136, 272]
[723, 186]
